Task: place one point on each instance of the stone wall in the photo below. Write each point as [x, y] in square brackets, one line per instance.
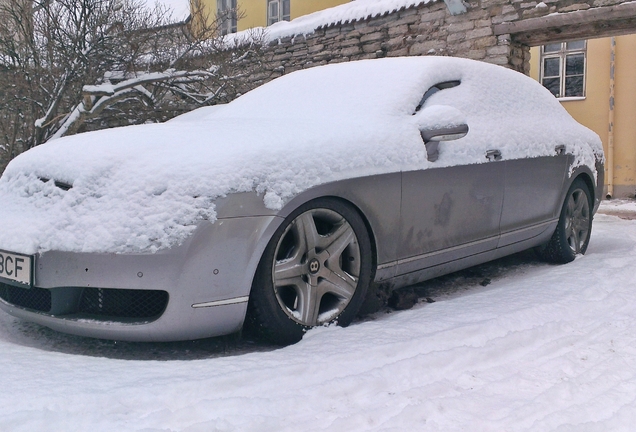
[532, 23]
[486, 31]
[524, 9]
[427, 29]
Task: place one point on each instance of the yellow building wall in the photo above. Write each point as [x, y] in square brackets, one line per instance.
[304, 7]
[254, 12]
[625, 117]
[593, 111]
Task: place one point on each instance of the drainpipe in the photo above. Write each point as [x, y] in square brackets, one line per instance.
[610, 136]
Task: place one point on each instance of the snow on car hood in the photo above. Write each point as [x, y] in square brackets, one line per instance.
[145, 188]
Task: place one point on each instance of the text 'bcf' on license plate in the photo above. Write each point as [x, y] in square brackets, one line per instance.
[16, 269]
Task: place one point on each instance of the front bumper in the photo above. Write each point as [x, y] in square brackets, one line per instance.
[198, 289]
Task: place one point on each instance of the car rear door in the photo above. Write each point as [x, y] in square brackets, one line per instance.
[532, 195]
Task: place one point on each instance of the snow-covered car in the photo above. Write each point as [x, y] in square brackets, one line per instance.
[287, 207]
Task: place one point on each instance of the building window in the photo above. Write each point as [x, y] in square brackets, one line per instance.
[277, 10]
[226, 16]
[563, 68]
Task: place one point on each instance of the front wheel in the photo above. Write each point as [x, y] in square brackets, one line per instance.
[314, 271]
[573, 231]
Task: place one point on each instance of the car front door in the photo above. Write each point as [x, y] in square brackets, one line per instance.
[449, 213]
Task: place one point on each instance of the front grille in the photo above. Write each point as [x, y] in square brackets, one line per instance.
[123, 303]
[36, 299]
[62, 185]
[93, 303]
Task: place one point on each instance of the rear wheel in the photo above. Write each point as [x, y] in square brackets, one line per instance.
[573, 231]
[315, 270]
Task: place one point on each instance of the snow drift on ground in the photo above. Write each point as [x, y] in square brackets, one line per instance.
[541, 348]
[144, 188]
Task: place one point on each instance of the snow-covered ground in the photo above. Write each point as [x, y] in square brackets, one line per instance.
[515, 345]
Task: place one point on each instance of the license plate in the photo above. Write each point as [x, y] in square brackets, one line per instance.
[16, 269]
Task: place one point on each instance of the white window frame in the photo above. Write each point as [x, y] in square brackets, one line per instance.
[562, 54]
[226, 16]
[276, 11]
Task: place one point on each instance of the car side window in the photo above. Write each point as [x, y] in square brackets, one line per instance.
[430, 92]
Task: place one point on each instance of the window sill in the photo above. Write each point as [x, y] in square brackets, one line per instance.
[571, 99]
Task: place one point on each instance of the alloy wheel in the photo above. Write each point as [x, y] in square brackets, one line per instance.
[577, 220]
[316, 268]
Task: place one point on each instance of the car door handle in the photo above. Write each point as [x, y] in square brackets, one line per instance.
[493, 155]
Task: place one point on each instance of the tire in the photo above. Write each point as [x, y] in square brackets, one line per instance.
[315, 270]
[573, 231]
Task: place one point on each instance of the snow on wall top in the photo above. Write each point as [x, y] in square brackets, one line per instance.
[145, 188]
[345, 13]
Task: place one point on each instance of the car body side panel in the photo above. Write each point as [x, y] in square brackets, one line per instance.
[516, 240]
[217, 265]
[377, 197]
[448, 213]
[532, 196]
[211, 267]
[464, 260]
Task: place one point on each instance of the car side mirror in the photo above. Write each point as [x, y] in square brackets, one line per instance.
[440, 123]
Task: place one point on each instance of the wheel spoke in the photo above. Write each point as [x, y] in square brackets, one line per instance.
[307, 232]
[581, 224]
[340, 283]
[580, 202]
[579, 221]
[308, 304]
[571, 206]
[574, 241]
[288, 272]
[340, 239]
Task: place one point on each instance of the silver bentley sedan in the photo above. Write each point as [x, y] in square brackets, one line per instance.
[288, 207]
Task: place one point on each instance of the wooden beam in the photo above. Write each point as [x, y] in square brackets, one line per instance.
[585, 24]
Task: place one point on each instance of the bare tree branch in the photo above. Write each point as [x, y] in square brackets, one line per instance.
[66, 65]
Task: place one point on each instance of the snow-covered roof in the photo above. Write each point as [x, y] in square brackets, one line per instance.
[306, 24]
[146, 187]
[345, 13]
